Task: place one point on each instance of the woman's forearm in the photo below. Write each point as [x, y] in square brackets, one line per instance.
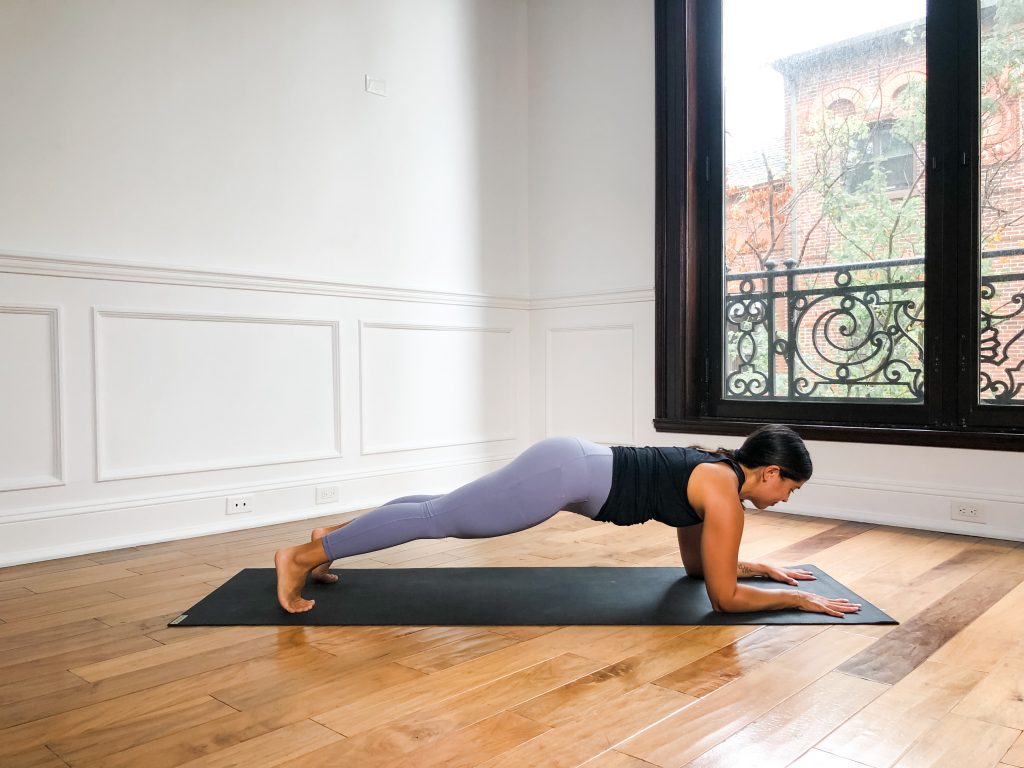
[747, 570]
[746, 598]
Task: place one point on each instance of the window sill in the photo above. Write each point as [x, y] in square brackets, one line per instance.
[1011, 440]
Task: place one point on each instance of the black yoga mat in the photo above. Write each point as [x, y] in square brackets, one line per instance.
[501, 596]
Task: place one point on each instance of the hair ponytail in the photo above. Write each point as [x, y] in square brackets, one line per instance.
[779, 445]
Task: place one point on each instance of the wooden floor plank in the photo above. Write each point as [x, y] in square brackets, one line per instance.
[998, 699]
[33, 604]
[314, 668]
[381, 707]
[788, 730]
[133, 690]
[173, 578]
[61, 681]
[64, 565]
[379, 747]
[982, 644]
[449, 655]
[474, 744]
[887, 727]
[116, 612]
[1015, 755]
[576, 741]
[614, 759]
[55, 582]
[222, 733]
[271, 749]
[160, 655]
[92, 747]
[803, 551]
[685, 736]
[960, 742]
[711, 672]
[815, 758]
[40, 757]
[10, 593]
[31, 636]
[62, 653]
[586, 693]
[898, 653]
[97, 652]
[863, 554]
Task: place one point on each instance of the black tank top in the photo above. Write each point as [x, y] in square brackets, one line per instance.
[650, 484]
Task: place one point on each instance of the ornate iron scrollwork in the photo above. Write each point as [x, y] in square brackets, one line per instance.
[850, 331]
[1001, 339]
[854, 332]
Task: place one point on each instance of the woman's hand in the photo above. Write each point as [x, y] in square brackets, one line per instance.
[838, 607]
[787, 575]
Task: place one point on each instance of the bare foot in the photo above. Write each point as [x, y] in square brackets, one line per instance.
[322, 573]
[290, 579]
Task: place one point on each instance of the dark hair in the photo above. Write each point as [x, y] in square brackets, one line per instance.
[774, 444]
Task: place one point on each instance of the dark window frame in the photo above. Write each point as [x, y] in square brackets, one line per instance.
[689, 176]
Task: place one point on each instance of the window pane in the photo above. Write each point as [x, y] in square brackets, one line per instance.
[1001, 229]
[824, 200]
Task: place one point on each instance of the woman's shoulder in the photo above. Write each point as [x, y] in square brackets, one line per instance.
[711, 480]
[712, 471]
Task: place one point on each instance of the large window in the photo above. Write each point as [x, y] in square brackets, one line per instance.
[840, 218]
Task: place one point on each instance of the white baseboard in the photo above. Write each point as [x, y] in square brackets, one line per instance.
[997, 531]
[237, 523]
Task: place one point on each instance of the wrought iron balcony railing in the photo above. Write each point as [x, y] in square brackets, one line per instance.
[854, 332]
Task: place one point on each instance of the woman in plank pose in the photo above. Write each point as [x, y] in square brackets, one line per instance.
[698, 492]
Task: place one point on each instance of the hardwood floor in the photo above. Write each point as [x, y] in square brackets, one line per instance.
[91, 676]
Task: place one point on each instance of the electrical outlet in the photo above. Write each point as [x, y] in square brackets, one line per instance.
[326, 494]
[966, 510]
[237, 504]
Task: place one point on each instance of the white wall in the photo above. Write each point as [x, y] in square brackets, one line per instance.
[592, 276]
[591, 127]
[237, 136]
[226, 268]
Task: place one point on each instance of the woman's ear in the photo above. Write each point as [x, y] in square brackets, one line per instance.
[771, 472]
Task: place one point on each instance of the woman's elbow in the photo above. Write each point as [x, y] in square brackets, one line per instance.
[693, 572]
[723, 603]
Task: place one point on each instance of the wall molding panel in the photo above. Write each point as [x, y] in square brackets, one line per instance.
[57, 472]
[199, 362]
[444, 380]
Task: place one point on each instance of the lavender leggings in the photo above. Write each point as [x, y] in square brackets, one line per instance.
[554, 474]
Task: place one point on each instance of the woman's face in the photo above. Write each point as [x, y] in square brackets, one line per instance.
[772, 488]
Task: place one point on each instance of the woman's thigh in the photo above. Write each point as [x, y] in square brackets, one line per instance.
[545, 478]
